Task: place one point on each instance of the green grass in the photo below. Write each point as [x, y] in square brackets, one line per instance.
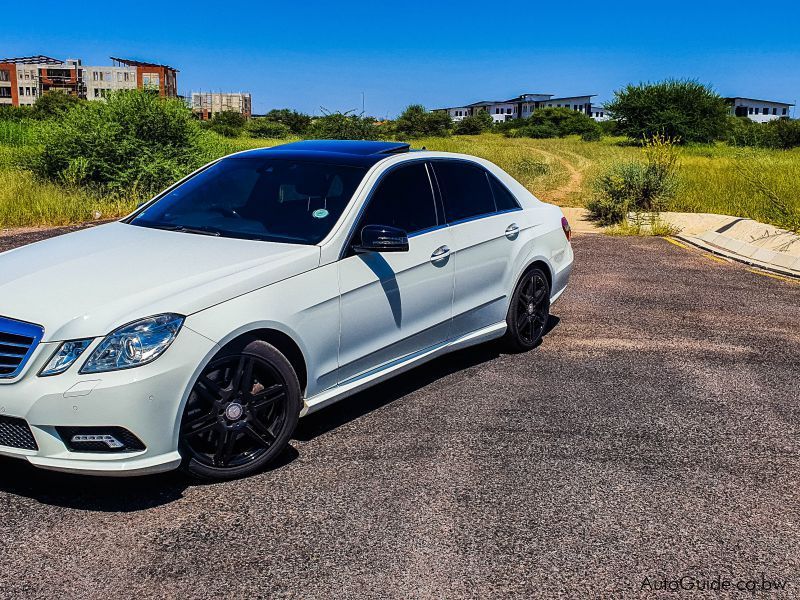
[760, 184]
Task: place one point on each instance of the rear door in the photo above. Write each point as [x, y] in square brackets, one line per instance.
[394, 304]
[483, 219]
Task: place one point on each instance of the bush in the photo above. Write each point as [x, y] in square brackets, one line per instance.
[557, 122]
[298, 123]
[593, 135]
[416, 121]
[14, 113]
[474, 124]
[784, 134]
[54, 105]
[637, 186]
[780, 134]
[228, 123]
[541, 131]
[681, 110]
[264, 128]
[608, 128]
[344, 126]
[132, 145]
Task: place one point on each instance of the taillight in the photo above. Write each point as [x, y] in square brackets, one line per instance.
[567, 229]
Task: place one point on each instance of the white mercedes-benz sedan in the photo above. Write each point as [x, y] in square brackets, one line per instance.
[264, 286]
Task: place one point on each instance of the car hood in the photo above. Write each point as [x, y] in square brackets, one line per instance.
[88, 283]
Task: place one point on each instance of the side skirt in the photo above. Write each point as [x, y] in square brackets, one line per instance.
[395, 367]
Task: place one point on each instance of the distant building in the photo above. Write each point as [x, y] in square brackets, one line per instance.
[522, 106]
[206, 104]
[760, 111]
[24, 79]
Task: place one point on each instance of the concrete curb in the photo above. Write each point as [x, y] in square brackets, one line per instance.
[752, 261]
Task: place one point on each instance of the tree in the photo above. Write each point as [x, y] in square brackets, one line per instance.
[54, 105]
[474, 124]
[416, 121]
[297, 122]
[228, 123]
[680, 109]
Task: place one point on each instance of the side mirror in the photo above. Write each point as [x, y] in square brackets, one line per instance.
[382, 238]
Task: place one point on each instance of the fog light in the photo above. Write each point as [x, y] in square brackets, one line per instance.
[108, 440]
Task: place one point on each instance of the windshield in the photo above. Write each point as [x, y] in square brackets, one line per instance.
[257, 198]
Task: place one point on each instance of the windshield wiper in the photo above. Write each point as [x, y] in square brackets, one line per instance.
[200, 230]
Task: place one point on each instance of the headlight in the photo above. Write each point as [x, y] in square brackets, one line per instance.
[64, 357]
[134, 344]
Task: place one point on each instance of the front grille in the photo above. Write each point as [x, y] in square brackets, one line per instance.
[15, 433]
[130, 442]
[18, 340]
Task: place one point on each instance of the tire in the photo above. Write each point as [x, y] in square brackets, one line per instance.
[528, 311]
[240, 414]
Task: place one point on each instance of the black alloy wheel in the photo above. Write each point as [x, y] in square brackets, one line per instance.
[529, 311]
[240, 414]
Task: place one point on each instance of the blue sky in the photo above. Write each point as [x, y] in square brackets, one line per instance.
[308, 55]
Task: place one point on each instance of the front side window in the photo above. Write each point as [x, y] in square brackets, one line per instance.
[465, 190]
[258, 198]
[403, 199]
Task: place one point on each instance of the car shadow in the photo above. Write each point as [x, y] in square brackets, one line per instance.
[104, 494]
[363, 403]
[131, 494]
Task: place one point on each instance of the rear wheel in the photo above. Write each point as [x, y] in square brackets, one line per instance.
[240, 413]
[529, 311]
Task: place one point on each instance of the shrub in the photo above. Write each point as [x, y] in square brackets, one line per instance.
[609, 127]
[228, 123]
[54, 105]
[297, 122]
[416, 121]
[556, 122]
[14, 113]
[784, 134]
[679, 109]
[344, 126]
[637, 186]
[132, 145]
[264, 128]
[781, 134]
[593, 135]
[540, 131]
[474, 124]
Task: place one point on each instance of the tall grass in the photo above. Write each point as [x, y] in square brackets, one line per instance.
[26, 201]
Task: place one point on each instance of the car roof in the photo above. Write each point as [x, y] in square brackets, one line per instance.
[346, 152]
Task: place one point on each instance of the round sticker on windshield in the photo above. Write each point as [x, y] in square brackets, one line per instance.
[320, 213]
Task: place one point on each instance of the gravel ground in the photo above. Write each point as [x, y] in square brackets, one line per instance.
[654, 434]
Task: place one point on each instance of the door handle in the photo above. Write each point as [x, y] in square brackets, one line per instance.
[512, 231]
[441, 253]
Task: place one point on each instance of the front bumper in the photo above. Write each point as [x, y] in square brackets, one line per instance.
[147, 401]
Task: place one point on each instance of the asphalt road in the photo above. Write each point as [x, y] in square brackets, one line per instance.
[653, 434]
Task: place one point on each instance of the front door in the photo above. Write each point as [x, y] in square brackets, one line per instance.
[394, 304]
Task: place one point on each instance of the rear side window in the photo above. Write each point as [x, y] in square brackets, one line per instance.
[404, 199]
[503, 199]
[465, 190]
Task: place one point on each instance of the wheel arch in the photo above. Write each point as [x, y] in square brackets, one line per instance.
[534, 263]
[275, 337]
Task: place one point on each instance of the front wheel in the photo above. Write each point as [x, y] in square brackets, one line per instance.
[240, 414]
[528, 312]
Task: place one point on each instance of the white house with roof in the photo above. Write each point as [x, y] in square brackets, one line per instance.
[523, 105]
[760, 111]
